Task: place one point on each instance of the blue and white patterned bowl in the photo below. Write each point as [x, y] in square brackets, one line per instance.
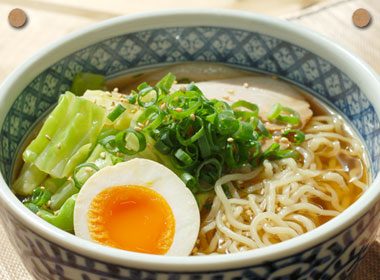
[239, 39]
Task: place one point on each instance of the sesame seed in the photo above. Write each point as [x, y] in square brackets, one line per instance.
[116, 89]
[230, 139]
[231, 91]
[140, 125]
[59, 146]
[138, 128]
[56, 213]
[88, 169]
[133, 111]
[147, 122]
[175, 82]
[39, 214]
[240, 182]
[245, 85]
[176, 99]
[178, 109]
[48, 203]
[192, 117]
[103, 155]
[163, 106]
[226, 97]
[47, 137]
[183, 89]
[70, 179]
[42, 188]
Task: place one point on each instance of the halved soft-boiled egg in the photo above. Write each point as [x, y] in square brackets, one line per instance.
[140, 206]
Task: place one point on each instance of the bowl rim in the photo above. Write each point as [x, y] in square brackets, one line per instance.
[366, 78]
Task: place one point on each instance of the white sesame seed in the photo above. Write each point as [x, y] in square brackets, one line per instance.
[140, 125]
[88, 169]
[231, 91]
[147, 123]
[240, 182]
[56, 213]
[175, 82]
[245, 85]
[48, 203]
[230, 139]
[183, 89]
[59, 146]
[163, 106]
[178, 109]
[103, 155]
[138, 128]
[226, 97]
[192, 117]
[116, 89]
[47, 137]
[133, 111]
[70, 179]
[42, 188]
[39, 214]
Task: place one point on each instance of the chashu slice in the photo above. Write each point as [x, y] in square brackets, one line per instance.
[263, 91]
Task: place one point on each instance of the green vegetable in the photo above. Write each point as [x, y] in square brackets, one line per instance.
[29, 178]
[65, 217]
[66, 137]
[99, 157]
[85, 81]
[116, 112]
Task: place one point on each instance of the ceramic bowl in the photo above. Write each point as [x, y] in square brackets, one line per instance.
[240, 39]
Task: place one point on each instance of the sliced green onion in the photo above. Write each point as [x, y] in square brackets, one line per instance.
[40, 196]
[119, 109]
[190, 181]
[144, 93]
[109, 144]
[275, 112]
[182, 105]
[162, 147]
[184, 127]
[293, 118]
[166, 83]
[209, 171]
[254, 110]
[232, 155]
[294, 135]
[226, 122]
[182, 159]
[121, 143]
[78, 184]
[153, 115]
[244, 132]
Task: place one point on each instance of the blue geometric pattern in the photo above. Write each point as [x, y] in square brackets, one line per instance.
[251, 51]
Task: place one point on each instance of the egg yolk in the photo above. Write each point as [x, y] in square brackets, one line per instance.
[132, 218]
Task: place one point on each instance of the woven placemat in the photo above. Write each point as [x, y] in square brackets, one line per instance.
[333, 20]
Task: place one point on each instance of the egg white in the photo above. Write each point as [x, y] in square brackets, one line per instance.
[155, 176]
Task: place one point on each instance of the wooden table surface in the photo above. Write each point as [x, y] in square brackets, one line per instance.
[49, 20]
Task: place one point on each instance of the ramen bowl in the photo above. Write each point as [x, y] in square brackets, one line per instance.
[152, 40]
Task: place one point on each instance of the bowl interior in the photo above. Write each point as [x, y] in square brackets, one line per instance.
[159, 47]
